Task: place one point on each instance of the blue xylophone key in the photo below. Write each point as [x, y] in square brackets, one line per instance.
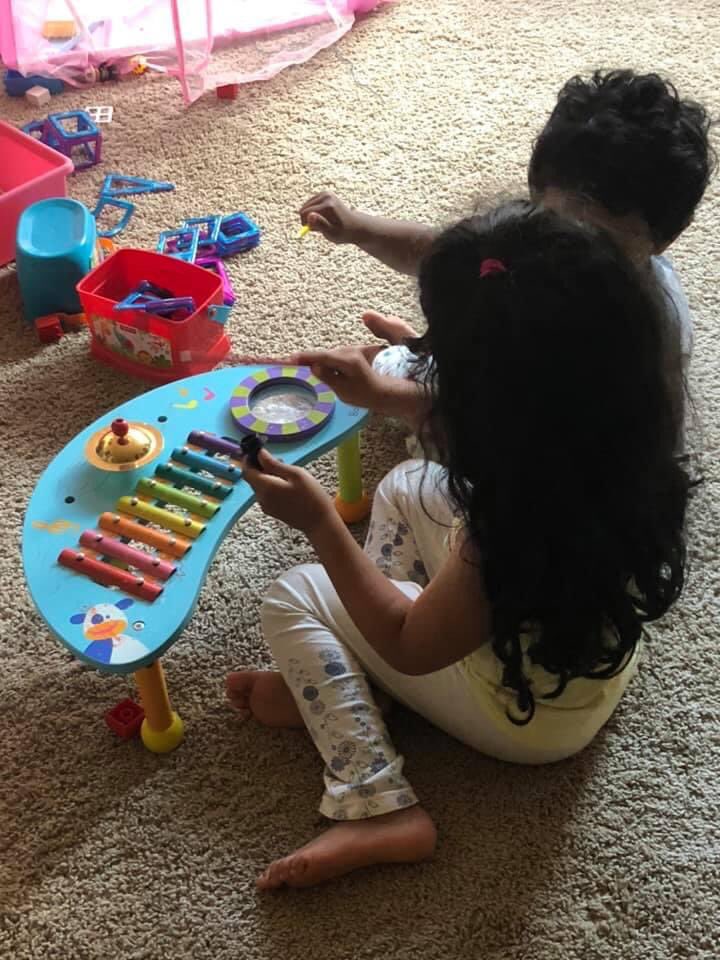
[199, 461]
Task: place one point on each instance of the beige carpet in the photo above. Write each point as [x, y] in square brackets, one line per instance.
[109, 851]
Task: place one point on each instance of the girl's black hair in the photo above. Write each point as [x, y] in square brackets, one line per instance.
[629, 143]
[557, 406]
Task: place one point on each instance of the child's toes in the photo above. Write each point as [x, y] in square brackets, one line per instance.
[239, 684]
[297, 868]
[275, 876]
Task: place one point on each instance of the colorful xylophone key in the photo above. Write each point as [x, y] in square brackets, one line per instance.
[124, 527]
[117, 550]
[109, 575]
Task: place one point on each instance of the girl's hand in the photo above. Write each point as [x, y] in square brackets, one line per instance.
[328, 215]
[289, 493]
[348, 371]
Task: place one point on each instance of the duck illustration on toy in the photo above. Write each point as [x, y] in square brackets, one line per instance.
[103, 626]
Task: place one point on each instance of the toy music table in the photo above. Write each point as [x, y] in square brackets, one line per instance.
[125, 521]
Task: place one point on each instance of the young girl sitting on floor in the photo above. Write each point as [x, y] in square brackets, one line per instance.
[501, 596]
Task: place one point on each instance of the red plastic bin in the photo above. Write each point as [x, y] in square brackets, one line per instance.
[29, 171]
[145, 345]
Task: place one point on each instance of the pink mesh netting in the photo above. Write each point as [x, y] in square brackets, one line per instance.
[204, 43]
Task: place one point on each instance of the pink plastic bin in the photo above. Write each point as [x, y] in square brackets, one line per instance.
[29, 171]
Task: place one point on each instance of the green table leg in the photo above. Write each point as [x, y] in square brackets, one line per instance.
[352, 503]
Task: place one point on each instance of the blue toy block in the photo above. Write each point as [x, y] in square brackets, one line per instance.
[36, 129]
[237, 234]
[118, 185]
[82, 143]
[209, 235]
[186, 243]
[16, 85]
[129, 209]
[42, 131]
[144, 292]
[84, 125]
[141, 294]
[55, 249]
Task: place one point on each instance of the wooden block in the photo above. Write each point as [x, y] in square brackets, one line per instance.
[38, 96]
[59, 29]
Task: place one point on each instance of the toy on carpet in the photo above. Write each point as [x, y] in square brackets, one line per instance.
[125, 719]
[123, 525]
[73, 134]
[219, 236]
[102, 205]
[182, 243]
[49, 328]
[139, 338]
[227, 91]
[38, 96]
[118, 185]
[238, 233]
[102, 114]
[52, 326]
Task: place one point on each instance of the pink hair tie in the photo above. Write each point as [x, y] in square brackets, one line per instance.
[492, 266]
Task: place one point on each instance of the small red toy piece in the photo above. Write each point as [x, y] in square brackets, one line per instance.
[49, 328]
[125, 719]
[228, 92]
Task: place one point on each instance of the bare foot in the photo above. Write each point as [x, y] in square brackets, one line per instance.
[404, 836]
[263, 694]
[392, 329]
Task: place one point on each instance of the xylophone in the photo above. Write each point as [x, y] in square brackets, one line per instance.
[124, 523]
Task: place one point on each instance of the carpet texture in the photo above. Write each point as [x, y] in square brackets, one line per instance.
[108, 850]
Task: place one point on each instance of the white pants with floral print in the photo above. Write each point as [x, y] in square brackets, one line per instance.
[327, 663]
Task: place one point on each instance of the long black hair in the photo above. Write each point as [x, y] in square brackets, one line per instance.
[555, 386]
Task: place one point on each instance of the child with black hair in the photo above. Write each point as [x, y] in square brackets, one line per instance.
[621, 151]
[503, 595]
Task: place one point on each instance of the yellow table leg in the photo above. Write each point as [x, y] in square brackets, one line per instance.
[162, 728]
[352, 503]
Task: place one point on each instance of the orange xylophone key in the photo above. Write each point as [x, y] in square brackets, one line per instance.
[169, 543]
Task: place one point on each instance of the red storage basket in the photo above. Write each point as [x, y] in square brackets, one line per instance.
[144, 344]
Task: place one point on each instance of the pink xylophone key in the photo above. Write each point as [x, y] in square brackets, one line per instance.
[109, 547]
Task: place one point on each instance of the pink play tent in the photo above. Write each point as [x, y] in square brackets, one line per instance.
[204, 43]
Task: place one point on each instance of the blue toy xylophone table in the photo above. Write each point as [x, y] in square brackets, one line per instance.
[123, 524]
